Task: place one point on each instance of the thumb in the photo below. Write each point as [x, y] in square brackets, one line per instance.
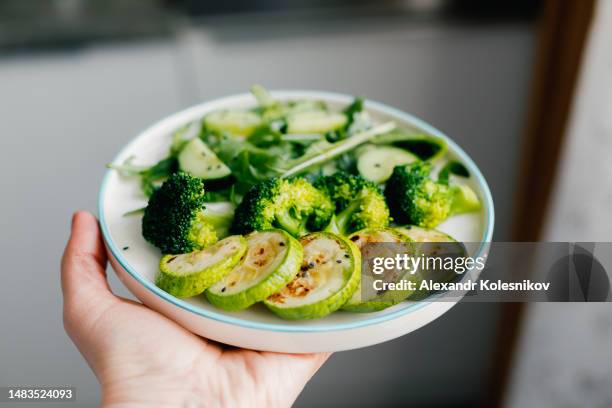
[84, 282]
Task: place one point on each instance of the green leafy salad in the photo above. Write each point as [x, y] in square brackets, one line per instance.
[274, 204]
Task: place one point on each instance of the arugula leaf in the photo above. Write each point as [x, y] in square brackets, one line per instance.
[351, 110]
[265, 136]
[150, 177]
[452, 167]
[424, 146]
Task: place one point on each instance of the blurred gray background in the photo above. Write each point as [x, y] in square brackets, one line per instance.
[80, 79]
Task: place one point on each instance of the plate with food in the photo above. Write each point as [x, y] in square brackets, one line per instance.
[244, 219]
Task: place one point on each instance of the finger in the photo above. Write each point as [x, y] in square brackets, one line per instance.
[84, 260]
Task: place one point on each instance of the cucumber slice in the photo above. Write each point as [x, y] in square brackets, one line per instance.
[280, 111]
[315, 122]
[234, 121]
[376, 301]
[197, 159]
[376, 164]
[329, 275]
[190, 274]
[272, 260]
[306, 105]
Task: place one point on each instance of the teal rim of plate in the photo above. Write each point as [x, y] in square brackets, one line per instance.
[394, 312]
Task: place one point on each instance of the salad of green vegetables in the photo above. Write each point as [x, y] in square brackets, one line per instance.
[272, 204]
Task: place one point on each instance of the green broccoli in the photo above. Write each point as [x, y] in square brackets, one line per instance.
[292, 204]
[414, 198]
[176, 219]
[359, 203]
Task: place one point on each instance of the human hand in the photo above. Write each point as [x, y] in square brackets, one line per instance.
[141, 358]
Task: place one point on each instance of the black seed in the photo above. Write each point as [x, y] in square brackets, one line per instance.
[281, 244]
[376, 165]
[223, 290]
[125, 248]
[338, 260]
[311, 265]
[218, 166]
[171, 259]
[355, 238]
[346, 256]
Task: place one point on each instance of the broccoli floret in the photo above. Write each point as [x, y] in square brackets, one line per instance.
[292, 204]
[359, 203]
[415, 198]
[176, 219]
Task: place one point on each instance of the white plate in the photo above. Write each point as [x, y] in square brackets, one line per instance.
[257, 328]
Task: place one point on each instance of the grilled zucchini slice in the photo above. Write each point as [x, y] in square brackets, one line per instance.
[330, 273]
[365, 298]
[431, 243]
[419, 234]
[191, 274]
[272, 259]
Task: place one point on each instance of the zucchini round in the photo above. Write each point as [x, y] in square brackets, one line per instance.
[383, 299]
[376, 163]
[235, 121]
[419, 234]
[272, 260]
[431, 242]
[186, 275]
[376, 235]
[330, 273]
